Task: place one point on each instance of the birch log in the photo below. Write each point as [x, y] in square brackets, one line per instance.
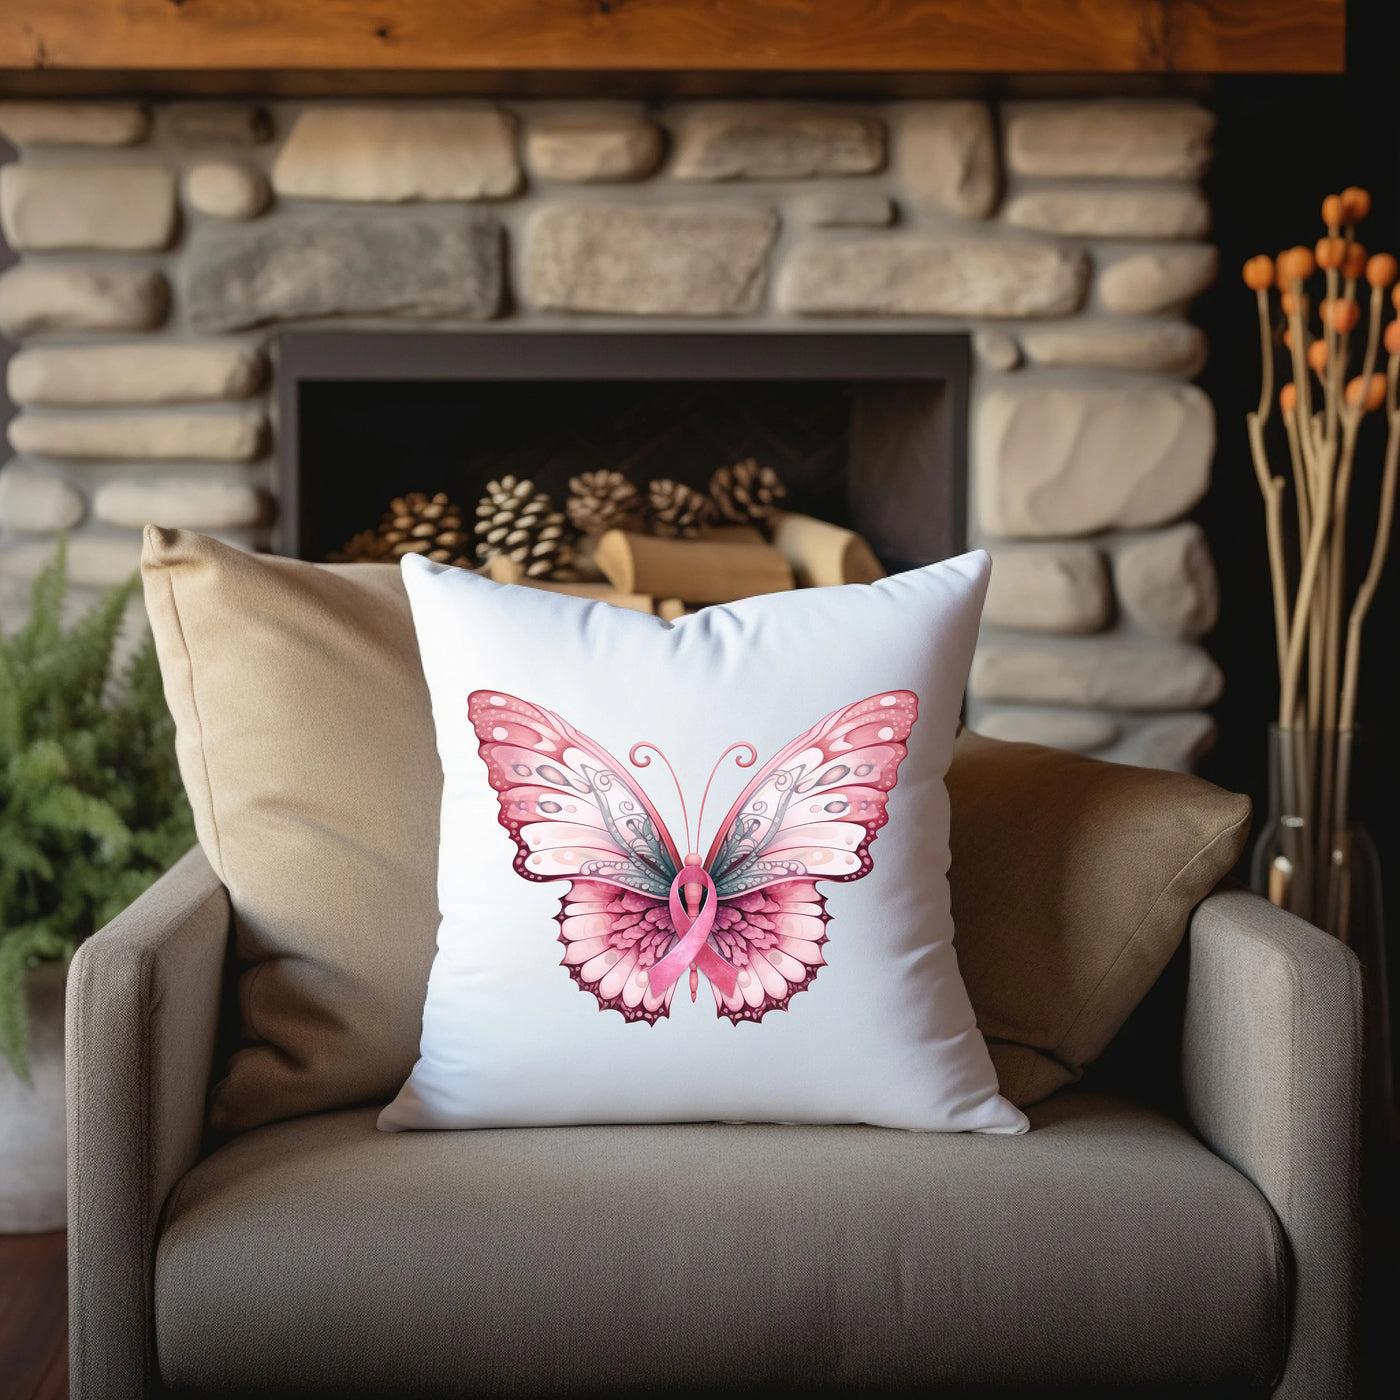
[698, 571]
[822, 554]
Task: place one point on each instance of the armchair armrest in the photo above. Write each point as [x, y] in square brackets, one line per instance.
[1272, 1078]
[142, 1015]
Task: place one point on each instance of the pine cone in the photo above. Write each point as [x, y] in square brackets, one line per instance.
[414, 524]
[601, 501]
[677, 511]
[745, 494]
[516, 520]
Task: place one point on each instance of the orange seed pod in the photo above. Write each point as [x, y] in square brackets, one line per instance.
[1374, 392]
[1395, 297]
[1317, 356]
[1392, 338]
[1341, 314]
[1296, 264]
[1355, 264]
[1382, 270]
[1289, 303]
[1356, 204]
[1259, 273]
[1330, 253]
[1288, 398]
[1332, 211]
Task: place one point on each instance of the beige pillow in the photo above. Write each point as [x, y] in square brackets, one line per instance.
[1072, 883]
[305, 739]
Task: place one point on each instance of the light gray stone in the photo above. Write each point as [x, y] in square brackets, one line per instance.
[215, 123]
[1146, 283]
[125, 208]
[161, 437]
[93, 561]
[391, 155]
[186, 503]
[844, 208]
[1174, 741]
[70, 297]
[1167, 347]
[153, 372]
[588, 148]
[914, 276]
[649, 260]
[997, 350]
[1055, 729]
[33, 503]
[1114, 213]
[947, 156]
[432, 263]
[759, 144]
[1167, 584]
[1049, 588]
[1066, 461]
[1110, 138]
[225, 189]
[73, 123]
[1103, 673]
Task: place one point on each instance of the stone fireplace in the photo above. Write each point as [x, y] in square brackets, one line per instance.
[180, 265]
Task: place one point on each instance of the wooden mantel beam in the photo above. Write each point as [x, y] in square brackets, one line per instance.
[668, 36]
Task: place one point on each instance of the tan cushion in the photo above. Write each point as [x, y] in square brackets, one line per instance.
[1104, 1251]
[1072, 881]
[306, 744]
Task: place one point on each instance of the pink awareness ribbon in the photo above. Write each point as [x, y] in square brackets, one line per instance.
[693, 947]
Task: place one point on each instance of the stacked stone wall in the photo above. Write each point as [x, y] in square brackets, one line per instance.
[162, 246]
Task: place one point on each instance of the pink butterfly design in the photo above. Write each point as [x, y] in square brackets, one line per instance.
[637, 915]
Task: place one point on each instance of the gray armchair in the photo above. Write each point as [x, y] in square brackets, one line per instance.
[1111, 1247]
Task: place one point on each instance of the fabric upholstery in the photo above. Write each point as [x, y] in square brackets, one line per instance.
[1072, 882]
[1105, 1246]
[1272, 1076]
[306, 744]
[142, 1015]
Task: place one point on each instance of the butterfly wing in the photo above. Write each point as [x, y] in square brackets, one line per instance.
[773, 937]
[814, 809]
[611, 938]
[567, 803]
[575, 814]
[811, 813]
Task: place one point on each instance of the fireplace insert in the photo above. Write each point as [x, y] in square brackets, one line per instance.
[866, 430]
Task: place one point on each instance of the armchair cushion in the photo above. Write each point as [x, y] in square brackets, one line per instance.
[1106, 1248]
[1072, 882]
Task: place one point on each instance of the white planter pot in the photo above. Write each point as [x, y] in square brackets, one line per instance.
[33, 1134]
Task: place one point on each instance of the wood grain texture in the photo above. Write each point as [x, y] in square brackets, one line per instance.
[33, 1317]
[812, 36]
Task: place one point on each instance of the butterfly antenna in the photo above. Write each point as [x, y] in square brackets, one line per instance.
[739, 762]
[645, 762]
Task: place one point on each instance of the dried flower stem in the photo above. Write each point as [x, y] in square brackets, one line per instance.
[1379, 551]
[1272, 488]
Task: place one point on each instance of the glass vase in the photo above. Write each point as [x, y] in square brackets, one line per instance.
[1314, 860]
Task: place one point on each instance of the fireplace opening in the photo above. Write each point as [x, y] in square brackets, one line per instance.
[866, 431]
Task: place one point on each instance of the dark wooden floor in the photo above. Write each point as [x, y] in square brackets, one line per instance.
[33, 1317]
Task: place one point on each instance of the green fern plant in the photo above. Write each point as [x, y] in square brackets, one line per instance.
[91, 806]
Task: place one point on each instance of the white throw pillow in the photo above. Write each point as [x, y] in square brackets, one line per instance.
[690, 809]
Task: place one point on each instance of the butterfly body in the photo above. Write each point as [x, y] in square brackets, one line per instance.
[637, 916]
